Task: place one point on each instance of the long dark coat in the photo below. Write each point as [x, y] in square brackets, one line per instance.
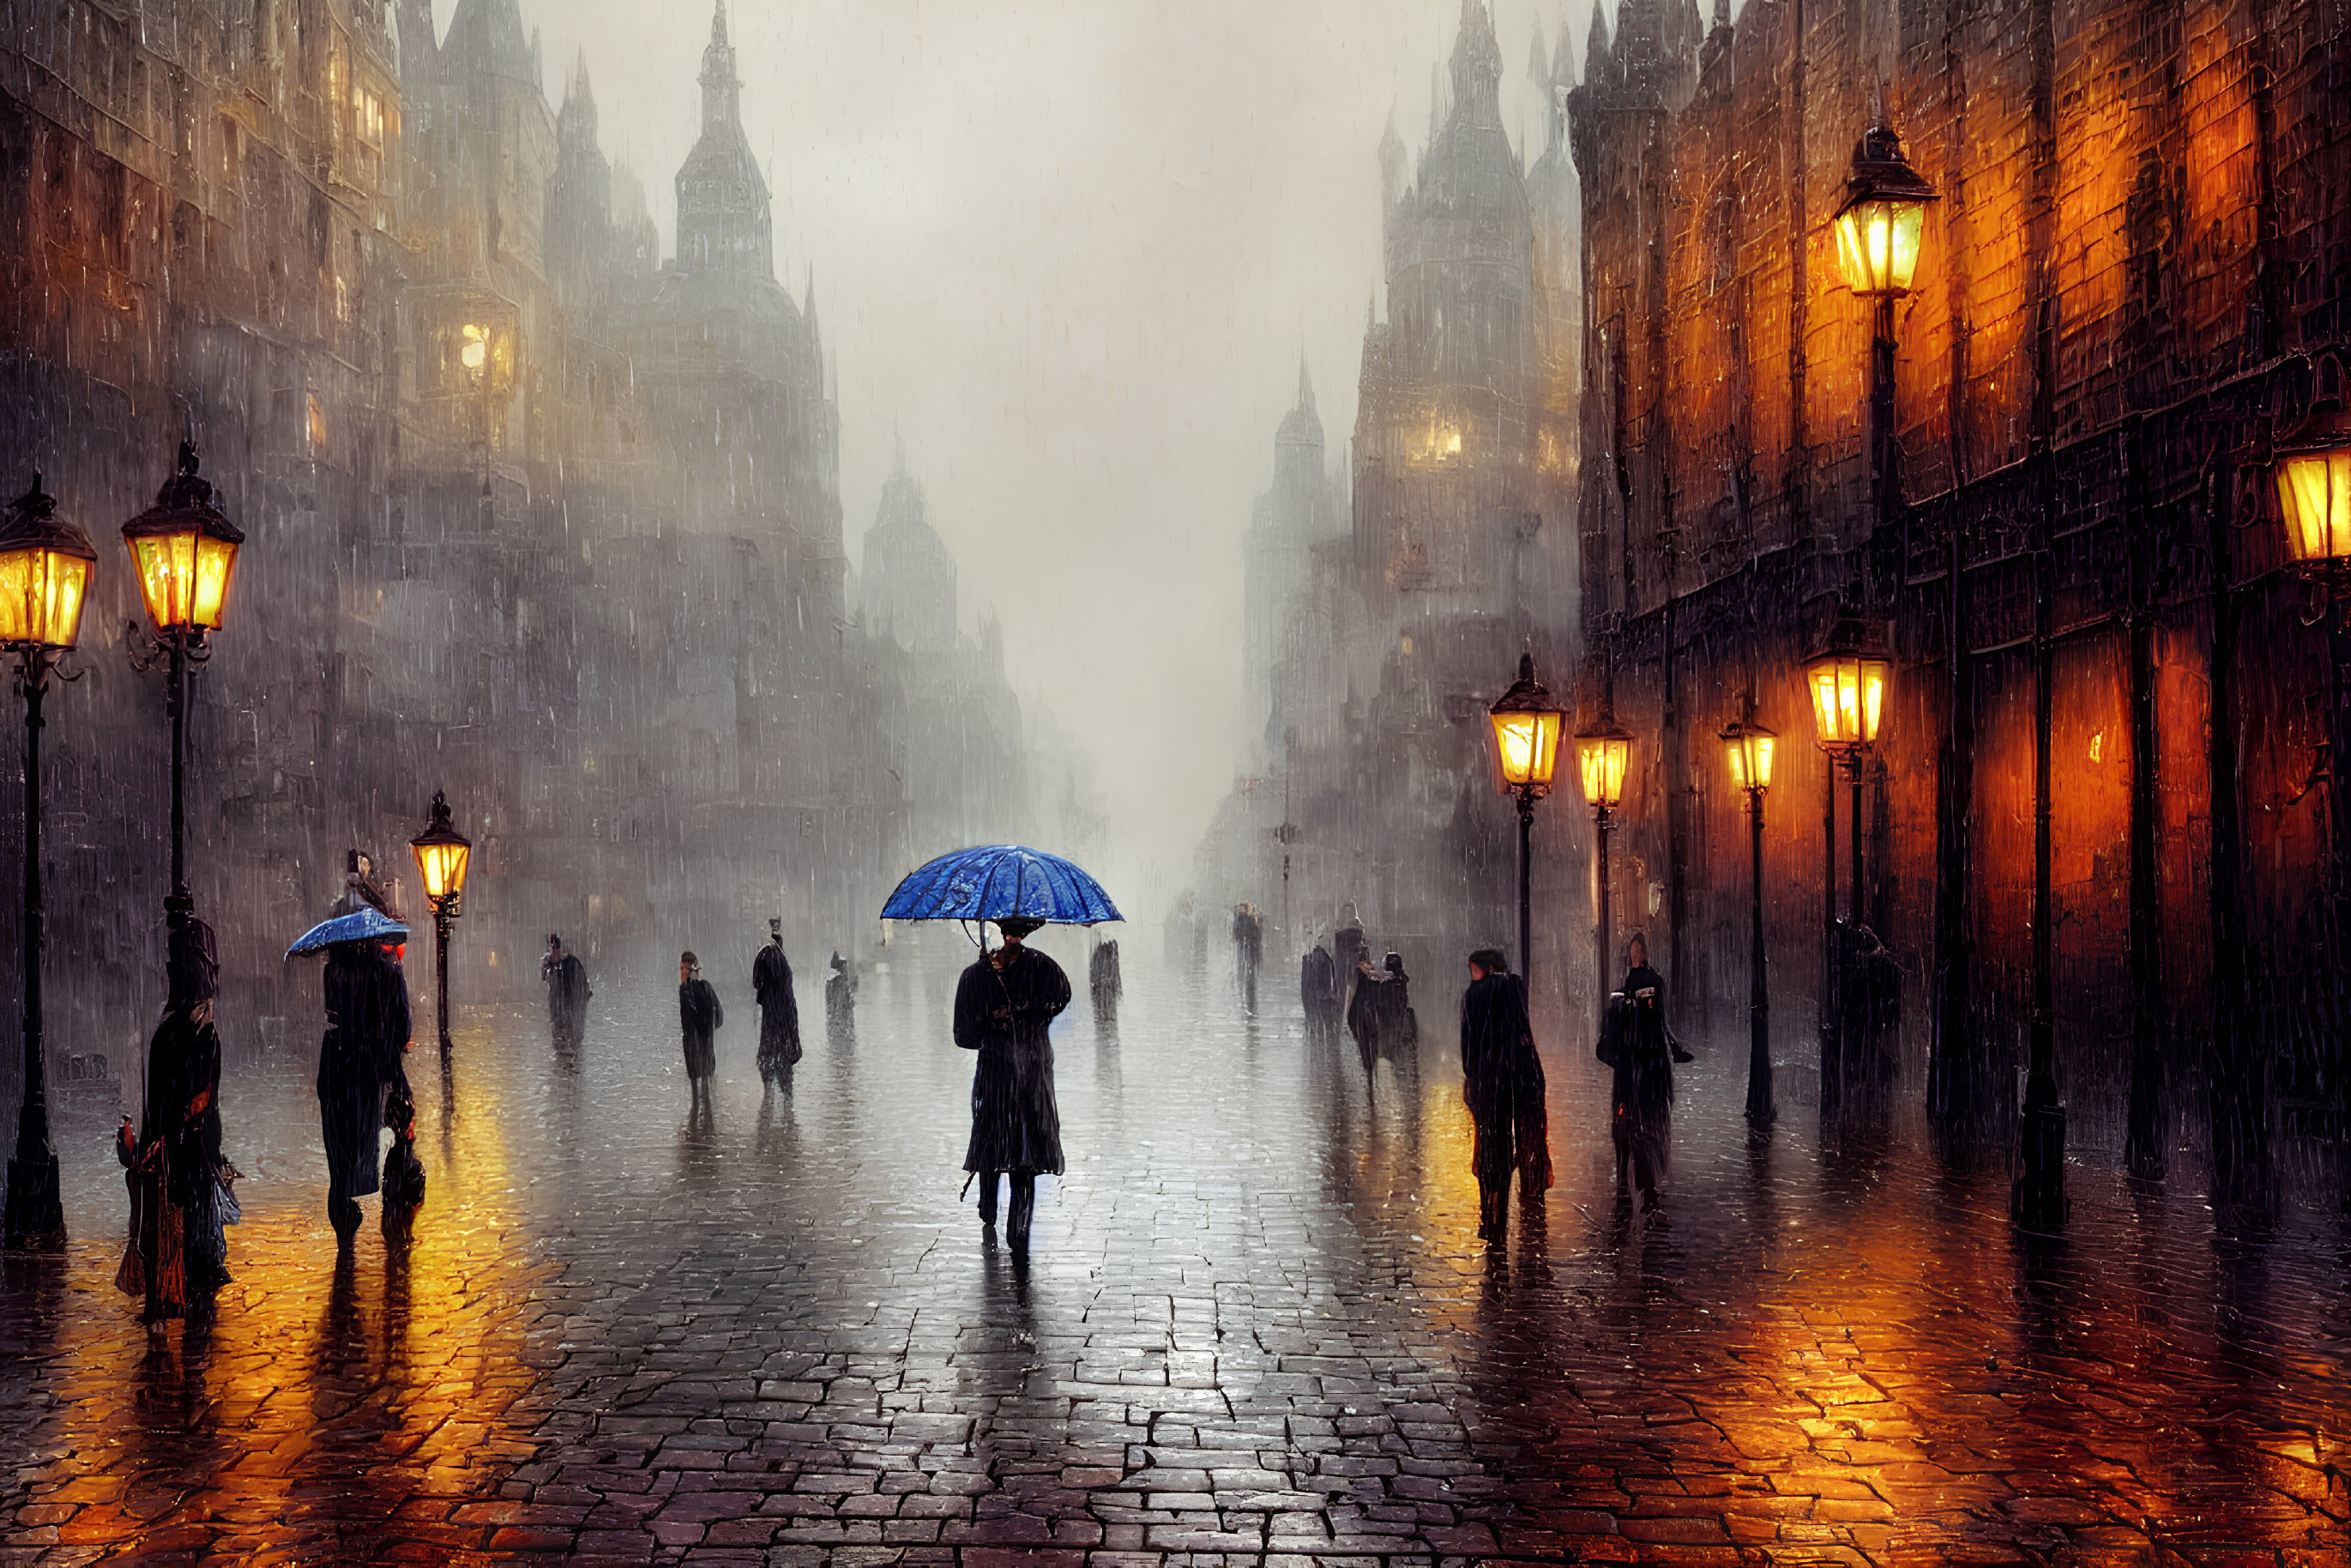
[779, 1010]
[1502, 1084]
[566, 997]
[1643, 1087]
[367, 1030]
[1318, 989]
[700, 1016]
[1002, 1013]
[178, 1251]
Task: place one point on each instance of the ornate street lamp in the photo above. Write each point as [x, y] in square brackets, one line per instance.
[1602, 752]
[443, 857]
[1749, 746]
[1526, 753]
[45, 566]
[1847, 682]
[1883, 221]
[184, 552]
[1879, 230]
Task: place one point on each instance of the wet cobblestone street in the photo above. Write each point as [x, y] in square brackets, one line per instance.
[1257, 1327]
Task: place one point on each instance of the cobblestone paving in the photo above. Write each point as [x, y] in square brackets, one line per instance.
[1256, 1329]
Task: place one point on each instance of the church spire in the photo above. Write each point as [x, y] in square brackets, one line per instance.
[1476, 67]
[722, 89]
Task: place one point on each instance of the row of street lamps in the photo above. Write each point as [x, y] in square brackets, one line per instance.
[1847, 680]
[184, 550]
[1880, 234]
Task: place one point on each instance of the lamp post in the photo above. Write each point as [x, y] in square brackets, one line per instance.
[1750, 747]
[1526, 753]
[45, 567]
[2313, 486]
[1878, 232]
[443, 857]
[184, 550]
[1847, 682]
[1602, 752]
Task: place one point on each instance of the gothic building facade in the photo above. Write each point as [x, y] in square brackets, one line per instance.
[2109, 700]
[1456, 552]
[533, 516]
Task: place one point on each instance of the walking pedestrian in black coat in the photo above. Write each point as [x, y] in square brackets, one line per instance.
[1643, 1053]
[359, 1060]
[840, 1002]
[779, 1010]
[1003, 1005]
[699, 1017]
[177, 1254]
[1318, 992]
[567, 993]
[1502, 1084]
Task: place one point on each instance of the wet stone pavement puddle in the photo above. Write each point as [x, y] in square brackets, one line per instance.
[1257, 1328]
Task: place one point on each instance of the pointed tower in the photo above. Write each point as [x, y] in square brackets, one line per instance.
[1597, 63]
[723, 221]
[1477, 67]
[579, 247]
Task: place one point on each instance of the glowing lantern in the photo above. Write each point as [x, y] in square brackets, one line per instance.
[184, 550]
[1601, 754]
[1750, 747]
[1883, 221]
[1526, 735]
[443, 854]
[2313, 483]
[44, 575]
[475, 352]
[1847, 680]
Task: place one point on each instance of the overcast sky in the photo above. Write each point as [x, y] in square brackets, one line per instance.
[1073, 250]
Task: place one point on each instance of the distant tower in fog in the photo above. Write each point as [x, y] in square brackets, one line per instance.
[724, 222]
[909, 579]
[1300, 508]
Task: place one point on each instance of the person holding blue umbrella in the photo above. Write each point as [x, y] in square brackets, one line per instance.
[368, 1028]
[1004, 1005]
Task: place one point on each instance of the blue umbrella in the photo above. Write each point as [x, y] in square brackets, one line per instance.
[1001, 882]
[360, 925]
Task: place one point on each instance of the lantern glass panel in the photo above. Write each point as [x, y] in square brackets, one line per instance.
[1873, 697]
[1878, 240]
[1750, 758]
[1601, 761]
[1526, 749]
[2315, 493]
[41, 595]
[442, 866]
[184, 577]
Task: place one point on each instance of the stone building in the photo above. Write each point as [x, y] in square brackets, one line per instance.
[488, 450]
[2089, 824]
[1456, 553]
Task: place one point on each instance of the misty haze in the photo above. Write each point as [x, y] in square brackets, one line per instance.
[1430, 781]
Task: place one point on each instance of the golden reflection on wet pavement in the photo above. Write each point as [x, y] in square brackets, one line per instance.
[1257, 1325]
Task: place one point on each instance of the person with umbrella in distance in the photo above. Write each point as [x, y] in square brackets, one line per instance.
[699, 1017]
[1003, 1005]
[366, 996]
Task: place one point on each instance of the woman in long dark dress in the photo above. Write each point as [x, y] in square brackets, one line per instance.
[1004, 1004]
[359, 1061]
[1502, 1084]
[699, 1017]
[1643, 1090]
[779, 1010]
[179, 1255]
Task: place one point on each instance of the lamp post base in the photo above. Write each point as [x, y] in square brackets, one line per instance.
[2038, 1201]
[37, 1219]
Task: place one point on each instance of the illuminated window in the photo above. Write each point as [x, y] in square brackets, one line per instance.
[317, 423]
